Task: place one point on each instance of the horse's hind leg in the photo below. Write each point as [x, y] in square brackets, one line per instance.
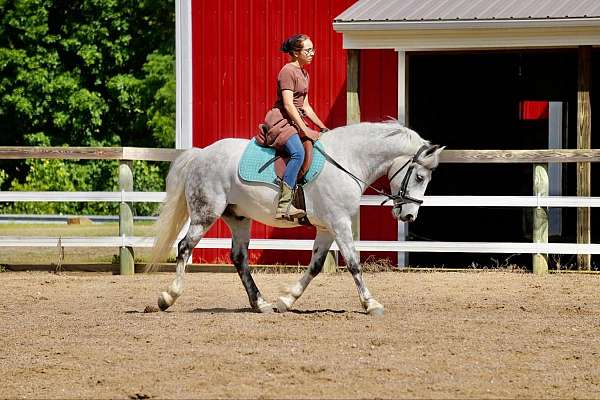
[184, 251]
[202, 219]
[240, 234]
[321, 246]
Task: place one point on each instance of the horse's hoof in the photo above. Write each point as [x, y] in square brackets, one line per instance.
[282, 305]
[163, 301]
[376, 311]
[266, 308]
[373, 307]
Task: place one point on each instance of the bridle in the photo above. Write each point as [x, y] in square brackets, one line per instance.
[400, 198]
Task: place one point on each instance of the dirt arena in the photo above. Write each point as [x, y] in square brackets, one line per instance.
[444, 335]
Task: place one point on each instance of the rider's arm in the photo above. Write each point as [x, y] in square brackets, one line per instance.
[288, 104]
[310, 113]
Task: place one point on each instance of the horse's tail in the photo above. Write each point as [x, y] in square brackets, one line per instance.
[174, 211]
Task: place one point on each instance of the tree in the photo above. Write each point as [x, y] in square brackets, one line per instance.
[85, 73]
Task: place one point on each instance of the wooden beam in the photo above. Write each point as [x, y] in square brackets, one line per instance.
[584, 141]
[352, 117]
[402, 96]
[540, 217]
[352, 84]
[88, 153]
[63, 153]
[149, 154]
[519, 156]
[447, 156]
[127, 255]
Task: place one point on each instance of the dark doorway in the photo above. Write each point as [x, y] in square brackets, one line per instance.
[468, 100]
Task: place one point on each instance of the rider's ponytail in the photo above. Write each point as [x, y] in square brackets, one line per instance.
[293, 43]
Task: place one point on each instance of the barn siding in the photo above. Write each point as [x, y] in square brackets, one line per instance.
[236, 59]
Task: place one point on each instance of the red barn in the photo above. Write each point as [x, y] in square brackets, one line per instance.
[485, 74]
[233, 62]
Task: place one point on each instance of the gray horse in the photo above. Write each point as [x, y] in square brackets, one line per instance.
[203, 185]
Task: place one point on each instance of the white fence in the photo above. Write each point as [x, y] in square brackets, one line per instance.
[457, 156]
[283, 244]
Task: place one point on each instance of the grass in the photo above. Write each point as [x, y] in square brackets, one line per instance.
[41, 255]
[64, 230]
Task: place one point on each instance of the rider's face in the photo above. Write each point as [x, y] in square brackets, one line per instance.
[307, 53]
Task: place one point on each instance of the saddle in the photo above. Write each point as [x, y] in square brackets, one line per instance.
[281, 158]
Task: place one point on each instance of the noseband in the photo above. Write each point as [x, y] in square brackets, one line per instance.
[402, 196]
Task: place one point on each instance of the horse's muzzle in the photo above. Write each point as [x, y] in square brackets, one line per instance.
[407, 218]
[397, 212]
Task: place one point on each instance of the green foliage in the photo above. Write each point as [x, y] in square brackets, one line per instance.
[97, 175]
[68, 176]
[85, 73]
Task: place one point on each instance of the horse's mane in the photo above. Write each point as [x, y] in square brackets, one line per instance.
[384, 129]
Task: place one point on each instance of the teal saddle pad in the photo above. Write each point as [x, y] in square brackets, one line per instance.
[256, 156]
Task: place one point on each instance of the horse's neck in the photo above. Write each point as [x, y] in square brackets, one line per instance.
[369, 158]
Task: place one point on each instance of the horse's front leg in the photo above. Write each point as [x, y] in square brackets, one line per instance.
[321, 246]
[343, 238]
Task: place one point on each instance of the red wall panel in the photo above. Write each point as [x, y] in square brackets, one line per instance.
[378, 101]
[236, 59]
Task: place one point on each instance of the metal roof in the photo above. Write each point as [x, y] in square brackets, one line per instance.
[468, 10]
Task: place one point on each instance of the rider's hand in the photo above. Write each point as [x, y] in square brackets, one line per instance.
[312, 134]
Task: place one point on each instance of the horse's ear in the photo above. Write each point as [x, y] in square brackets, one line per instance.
[430, 156]
[435, 148]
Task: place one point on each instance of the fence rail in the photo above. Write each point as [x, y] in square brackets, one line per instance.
[278, 244]
[366, 200]
[150, 154]
[127, 241]
[89, 153]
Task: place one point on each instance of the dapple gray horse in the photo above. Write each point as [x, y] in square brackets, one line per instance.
[203, 185]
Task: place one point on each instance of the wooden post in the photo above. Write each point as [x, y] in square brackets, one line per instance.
[584, 138]
[353, 114]
[402, 227]
[352, 117]
[127, 259]
[540, 217]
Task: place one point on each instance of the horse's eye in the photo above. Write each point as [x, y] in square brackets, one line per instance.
[420, 178]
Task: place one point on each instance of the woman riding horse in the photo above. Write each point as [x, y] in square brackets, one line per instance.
[285, 125]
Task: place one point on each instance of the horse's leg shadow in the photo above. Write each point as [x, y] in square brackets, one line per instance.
[221, 310]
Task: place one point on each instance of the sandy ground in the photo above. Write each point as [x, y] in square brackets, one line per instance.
[444, 335]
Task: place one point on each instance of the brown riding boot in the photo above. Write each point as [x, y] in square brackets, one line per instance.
[285, 209]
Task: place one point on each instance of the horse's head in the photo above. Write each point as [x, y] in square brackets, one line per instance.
[409, 179]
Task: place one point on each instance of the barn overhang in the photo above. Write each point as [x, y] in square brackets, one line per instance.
[463, 38]
[411, 25]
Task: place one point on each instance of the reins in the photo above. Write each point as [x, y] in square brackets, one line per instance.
[402, 197]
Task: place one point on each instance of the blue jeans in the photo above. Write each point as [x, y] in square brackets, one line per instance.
[296, 151]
